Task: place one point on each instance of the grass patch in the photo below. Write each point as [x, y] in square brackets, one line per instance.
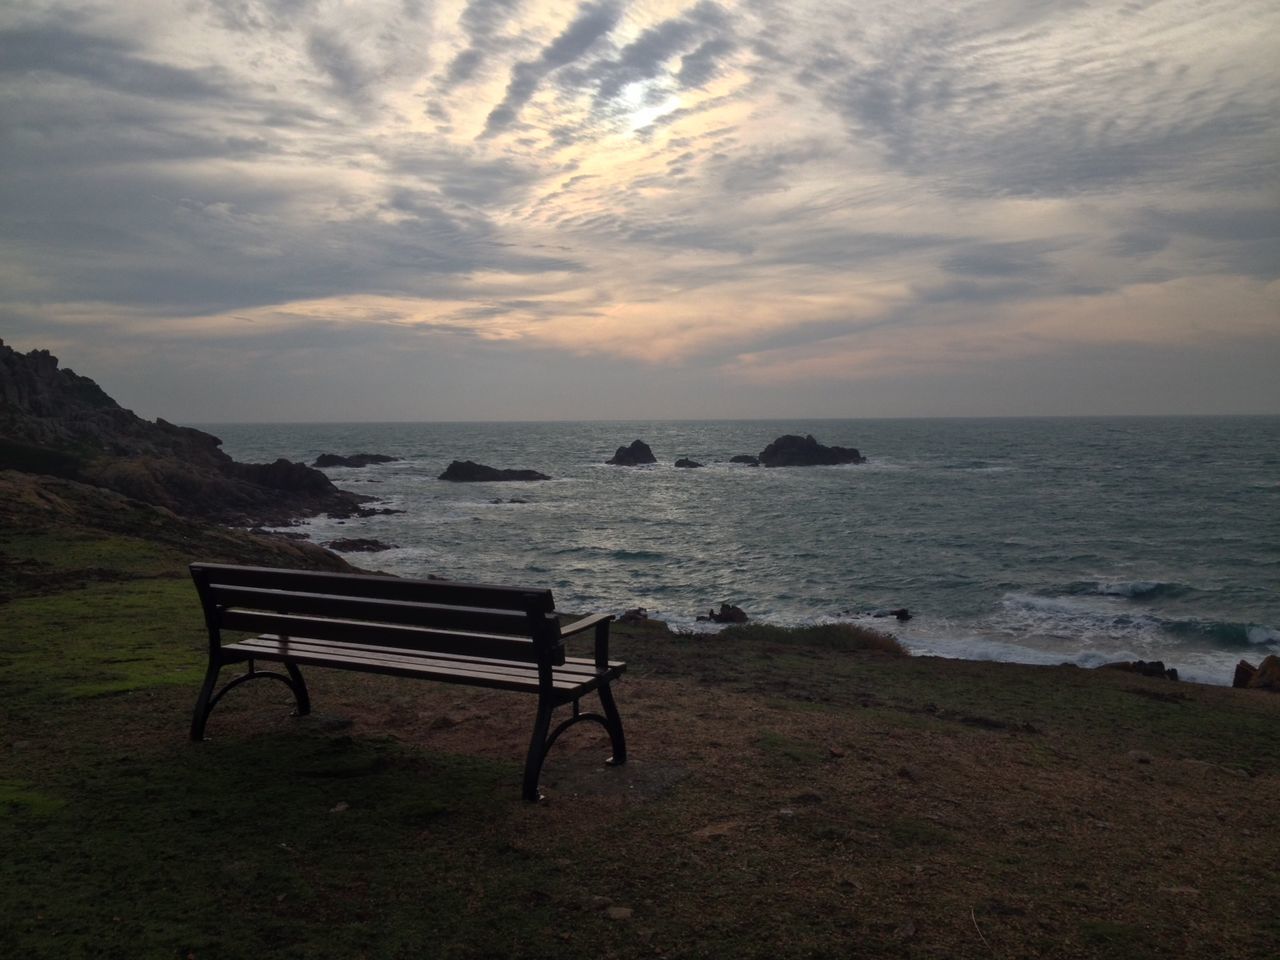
[831, 636]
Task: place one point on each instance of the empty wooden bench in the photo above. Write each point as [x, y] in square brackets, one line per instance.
[507, 638]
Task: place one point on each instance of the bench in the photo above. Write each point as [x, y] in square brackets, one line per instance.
[505, 638]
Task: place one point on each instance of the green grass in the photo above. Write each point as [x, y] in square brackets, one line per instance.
[102, 639]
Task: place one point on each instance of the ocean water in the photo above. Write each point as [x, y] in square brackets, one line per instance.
[1032, 540]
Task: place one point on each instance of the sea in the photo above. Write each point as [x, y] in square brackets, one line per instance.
[1037, 540]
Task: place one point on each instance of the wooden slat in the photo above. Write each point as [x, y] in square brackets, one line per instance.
[425, 667]
[431, 615]
[391, 635]
[380, 588]
[573, 666]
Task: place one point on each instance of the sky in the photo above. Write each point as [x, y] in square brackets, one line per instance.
[299, 210]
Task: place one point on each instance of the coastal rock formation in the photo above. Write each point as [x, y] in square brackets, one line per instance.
[355, 460]
[1265, 676]
[686, 463]
[634, 455]
[468, 471]
[55, 422]
[747, 459]
[728, 613]
[1145, 668]
[793, 451]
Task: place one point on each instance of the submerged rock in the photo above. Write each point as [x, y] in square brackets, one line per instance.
[634, 455]
[467, 471]
[686, 463]
[793, 451]
[355, 460]
[747, 459]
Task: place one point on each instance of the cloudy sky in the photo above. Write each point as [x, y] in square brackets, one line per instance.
[518, 209]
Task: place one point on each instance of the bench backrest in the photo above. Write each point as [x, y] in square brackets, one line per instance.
[502, 623]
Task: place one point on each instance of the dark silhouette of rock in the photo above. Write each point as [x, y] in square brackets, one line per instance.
[55, 422]
[728, 613]
[747, 459]
[1245, 672]
[1268, 675]
[633, 455]
[359, 545]
[687, 464]
[467, 471]
[638, 615]
[793, 451]
[901, 613]
[355, 460]
[1145, 668]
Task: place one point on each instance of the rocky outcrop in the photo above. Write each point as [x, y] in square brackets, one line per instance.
[355, 460]
[1145, 668]
[55, 422]
[1265, 676]
[746, 458]
[686, 464]
[633, 456]
[793, 451]
[467, 471]
[728, 613]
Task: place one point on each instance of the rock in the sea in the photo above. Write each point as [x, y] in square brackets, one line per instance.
[793, 451]
[467, 471]
[355, 460]
[901, 613]
[728, 614]
[359, 545]
[687, 463]
[1146, 668]
[1268, 675]
[747, 459]
[638, 615]
[633, 455]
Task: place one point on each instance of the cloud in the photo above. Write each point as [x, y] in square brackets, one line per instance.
[768, 194]
[592, 23]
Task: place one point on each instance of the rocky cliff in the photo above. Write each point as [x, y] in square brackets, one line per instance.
[54, 421]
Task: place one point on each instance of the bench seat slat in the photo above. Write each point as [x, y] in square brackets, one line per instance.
[418, 614]
[476, 673]
[572, 665]
[384, 634]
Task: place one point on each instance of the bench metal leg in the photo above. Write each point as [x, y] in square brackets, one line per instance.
[203, 704]
[300, 696]
[207, 699]
[539, 744]
[613, 723]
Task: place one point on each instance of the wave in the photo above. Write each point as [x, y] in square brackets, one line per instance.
[1223, 633]
[1074, 618]
[1132, 589]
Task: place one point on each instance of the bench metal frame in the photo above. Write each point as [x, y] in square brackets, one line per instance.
[505, 638]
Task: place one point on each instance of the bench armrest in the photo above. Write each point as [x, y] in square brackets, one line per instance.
[601, 623]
